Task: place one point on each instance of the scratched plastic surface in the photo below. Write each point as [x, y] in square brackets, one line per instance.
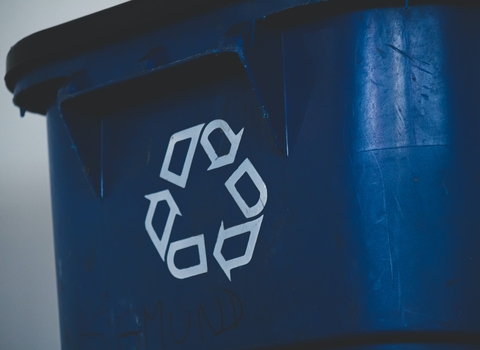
[363, 128]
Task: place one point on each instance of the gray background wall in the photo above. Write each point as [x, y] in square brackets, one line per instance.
[28, 294]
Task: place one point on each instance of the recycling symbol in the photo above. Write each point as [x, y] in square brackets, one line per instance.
[161, 241]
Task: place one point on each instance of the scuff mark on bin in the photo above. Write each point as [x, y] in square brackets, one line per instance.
[425, 315]
[452, 282]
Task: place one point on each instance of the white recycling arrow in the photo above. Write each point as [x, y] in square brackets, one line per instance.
[155, 198]
[193, 134]
[223, 234]
[216, 160]
[247, 168]
[190, 271]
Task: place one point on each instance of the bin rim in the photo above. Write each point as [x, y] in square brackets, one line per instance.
[96, 29]
[126, 20]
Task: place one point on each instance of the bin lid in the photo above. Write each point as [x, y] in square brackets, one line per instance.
[94, 30]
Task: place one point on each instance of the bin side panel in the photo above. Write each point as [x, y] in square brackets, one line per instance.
[209, 237]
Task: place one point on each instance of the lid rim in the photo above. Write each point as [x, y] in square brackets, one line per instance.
[128, 19]
[92, 30]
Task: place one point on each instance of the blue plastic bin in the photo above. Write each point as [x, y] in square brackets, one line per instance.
[276, 174]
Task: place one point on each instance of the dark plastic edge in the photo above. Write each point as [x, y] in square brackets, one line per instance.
[452, 338]
[97, 29]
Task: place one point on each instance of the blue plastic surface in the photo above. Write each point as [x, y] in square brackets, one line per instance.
[352, 139]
